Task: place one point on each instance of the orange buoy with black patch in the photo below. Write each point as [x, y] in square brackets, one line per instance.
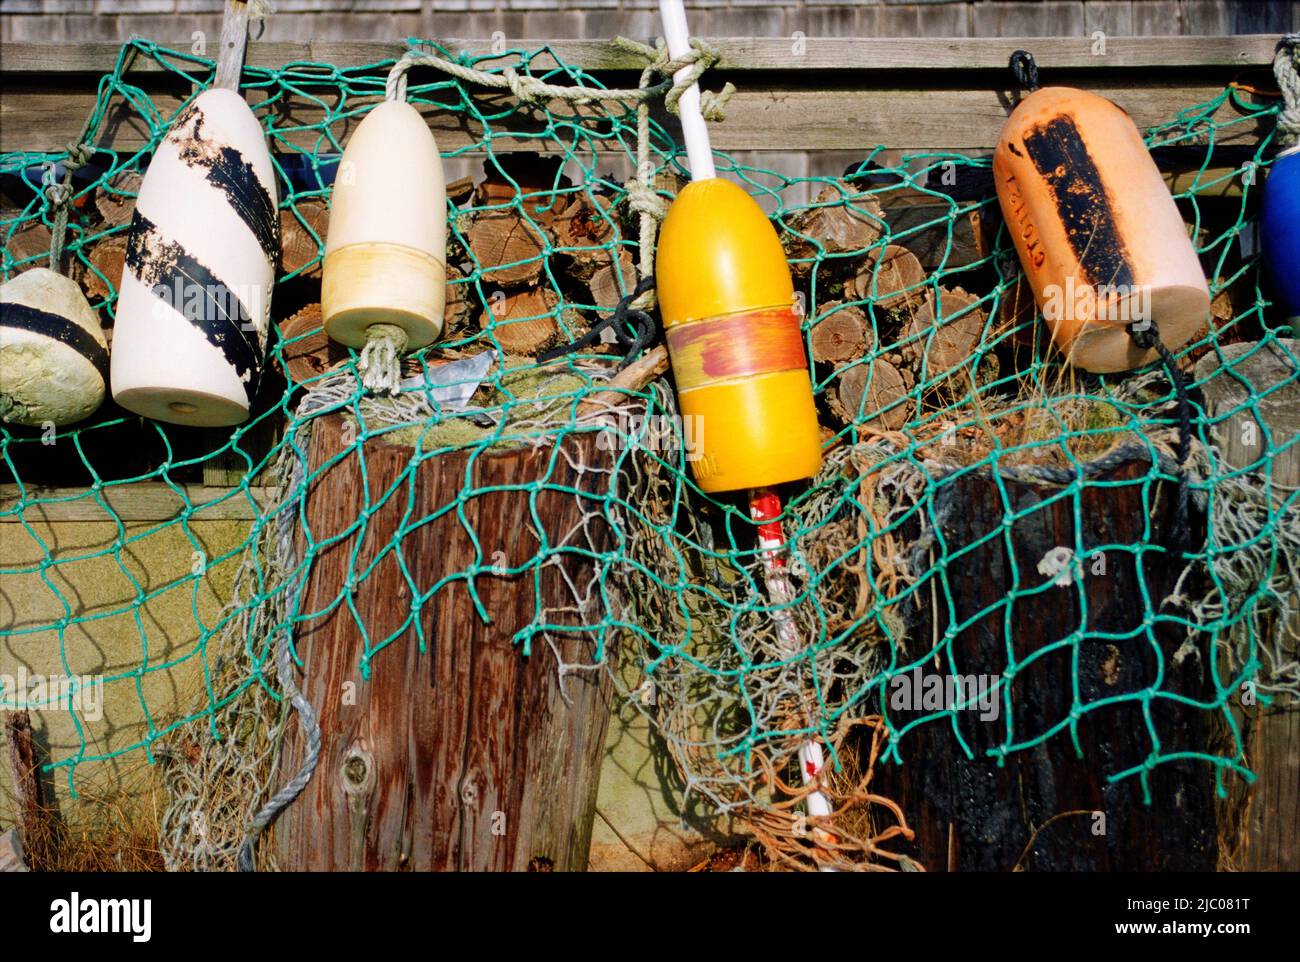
[1098, 233]
[734, 340]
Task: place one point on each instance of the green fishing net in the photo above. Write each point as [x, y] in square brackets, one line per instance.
[955, 441]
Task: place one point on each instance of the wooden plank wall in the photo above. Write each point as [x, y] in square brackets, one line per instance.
[844, 95]
[85, 20]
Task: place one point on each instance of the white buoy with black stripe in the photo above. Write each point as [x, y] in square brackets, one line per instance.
[53, 354]
[195, 298]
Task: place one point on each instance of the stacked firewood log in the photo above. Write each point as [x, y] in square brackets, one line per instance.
[897, 281]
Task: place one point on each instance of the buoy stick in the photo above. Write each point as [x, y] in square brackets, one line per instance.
[765, 509]
[699, 152]
[234, 39]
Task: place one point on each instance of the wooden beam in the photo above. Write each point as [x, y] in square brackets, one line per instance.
[829, 116]
[469, 757]
[140, 501]
[234, 41]
[738, 54]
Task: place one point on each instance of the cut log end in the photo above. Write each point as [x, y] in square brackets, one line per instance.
[946, 338]
[523, 321]
[843, 334]
[892, 279]
[311, 352]
[844, 220]
[302, 237]
[866, 395]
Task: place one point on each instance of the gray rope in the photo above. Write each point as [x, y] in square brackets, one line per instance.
[308, 722]
[59, 196]
[1286, 67]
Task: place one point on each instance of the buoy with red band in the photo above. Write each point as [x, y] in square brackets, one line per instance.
[385, 271]
[1280, 212]
[195, 297]
[726, 299]
[1098, 233]
[53, 353]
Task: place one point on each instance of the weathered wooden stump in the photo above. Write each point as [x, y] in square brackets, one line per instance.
[469, 756]
[1036, 812]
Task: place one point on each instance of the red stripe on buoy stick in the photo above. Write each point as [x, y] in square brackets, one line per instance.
[765, 510]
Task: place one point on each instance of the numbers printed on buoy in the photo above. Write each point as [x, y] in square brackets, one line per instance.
[1097, 231]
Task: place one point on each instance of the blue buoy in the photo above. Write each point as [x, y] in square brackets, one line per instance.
[1280, 231]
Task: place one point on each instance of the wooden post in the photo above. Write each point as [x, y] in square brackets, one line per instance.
[36, 818]
[468, 756]
[1273, 820]
[1039, 810]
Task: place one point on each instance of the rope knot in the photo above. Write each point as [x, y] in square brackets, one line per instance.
[58, 194]
[380, 364]
[642, 198]
[527, 88]
[713, 105]
[1025, 69]
[703, 55]
[79, 155]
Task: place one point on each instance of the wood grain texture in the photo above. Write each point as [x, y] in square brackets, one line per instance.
[472, 758]
[841, 94]
[234, 41]
[36, 816]
[862, 54]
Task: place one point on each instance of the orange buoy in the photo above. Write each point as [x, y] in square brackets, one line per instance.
[1098, 233]
[737, 353]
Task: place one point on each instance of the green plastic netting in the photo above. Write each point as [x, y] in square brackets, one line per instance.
[881, 541]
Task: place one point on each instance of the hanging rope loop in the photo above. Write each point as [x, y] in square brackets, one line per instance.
[58, 196]
[1025, 69]
[1286, 67]
[527, 88]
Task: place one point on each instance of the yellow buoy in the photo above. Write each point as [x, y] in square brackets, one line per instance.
[737, 354]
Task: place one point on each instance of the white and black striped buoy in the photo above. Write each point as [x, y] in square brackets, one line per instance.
[53, 354]
[195, 297]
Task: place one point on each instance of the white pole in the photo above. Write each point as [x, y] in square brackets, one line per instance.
[698, 150]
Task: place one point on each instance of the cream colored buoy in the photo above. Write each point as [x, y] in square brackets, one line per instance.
[53, 354]
[385, 268]
[195, 296]
[1098, 233]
